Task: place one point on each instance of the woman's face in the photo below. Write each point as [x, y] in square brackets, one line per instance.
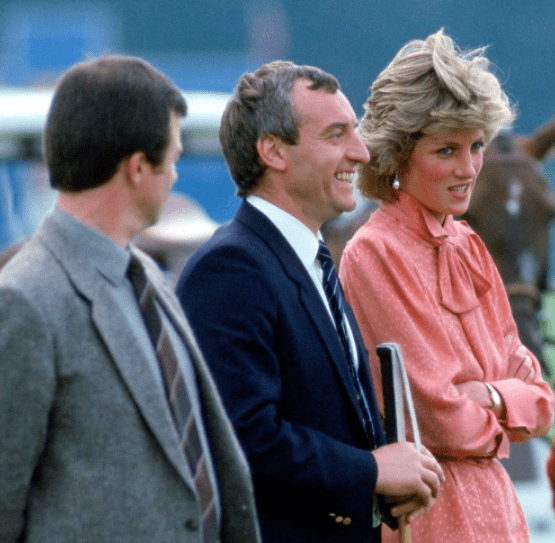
[442, 170]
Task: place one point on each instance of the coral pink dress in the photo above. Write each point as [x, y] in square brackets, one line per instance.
[435, 290]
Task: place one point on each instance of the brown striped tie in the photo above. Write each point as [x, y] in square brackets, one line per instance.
[178, 398]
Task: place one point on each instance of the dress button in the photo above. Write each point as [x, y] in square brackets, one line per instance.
[192, 525]
[346, 521]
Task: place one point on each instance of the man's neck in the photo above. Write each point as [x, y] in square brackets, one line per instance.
[100, 209]
[289, 205]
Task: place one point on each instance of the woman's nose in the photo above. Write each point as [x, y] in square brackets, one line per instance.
[469, 164]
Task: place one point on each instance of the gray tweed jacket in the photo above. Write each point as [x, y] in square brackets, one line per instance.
[87, 453]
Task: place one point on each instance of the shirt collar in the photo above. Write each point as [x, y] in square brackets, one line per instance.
[110, 258]
[299, 236]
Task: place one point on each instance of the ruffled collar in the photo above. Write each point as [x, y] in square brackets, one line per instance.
[461, 280]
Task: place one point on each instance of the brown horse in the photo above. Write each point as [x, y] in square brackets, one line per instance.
[511, 209]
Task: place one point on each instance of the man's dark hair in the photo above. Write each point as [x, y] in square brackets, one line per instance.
[103, 111]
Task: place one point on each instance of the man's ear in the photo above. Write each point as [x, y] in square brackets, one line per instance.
[134, 167]
[273, 152]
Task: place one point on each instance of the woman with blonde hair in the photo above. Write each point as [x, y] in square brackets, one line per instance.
[416, 276]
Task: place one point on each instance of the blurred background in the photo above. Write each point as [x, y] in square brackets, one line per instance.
[205, 45]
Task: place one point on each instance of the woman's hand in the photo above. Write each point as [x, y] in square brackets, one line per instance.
[521, 366]
[477, 391]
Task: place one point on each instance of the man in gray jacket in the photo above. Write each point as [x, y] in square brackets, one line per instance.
[112, 429]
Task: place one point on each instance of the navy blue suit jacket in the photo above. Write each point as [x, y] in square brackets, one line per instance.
[281, 370]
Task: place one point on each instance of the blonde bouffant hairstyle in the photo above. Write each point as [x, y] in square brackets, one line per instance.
[429, 87]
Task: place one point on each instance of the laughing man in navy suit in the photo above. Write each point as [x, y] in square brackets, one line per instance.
[255, 298]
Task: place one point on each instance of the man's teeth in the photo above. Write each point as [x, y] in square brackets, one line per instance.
[458, 189]
[344, 176]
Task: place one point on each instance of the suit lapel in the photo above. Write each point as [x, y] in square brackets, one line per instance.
[137, 374]
[121, 343]
[308, 295]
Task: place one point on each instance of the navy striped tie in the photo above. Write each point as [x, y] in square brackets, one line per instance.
[178, 398]
[335, 296]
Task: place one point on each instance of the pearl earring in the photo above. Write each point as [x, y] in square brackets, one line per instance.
[396, 183]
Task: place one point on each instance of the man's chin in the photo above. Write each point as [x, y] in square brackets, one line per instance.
[347, 208]
[340, 211]
[152, 218]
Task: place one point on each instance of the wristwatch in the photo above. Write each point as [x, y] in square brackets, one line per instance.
[495, 397]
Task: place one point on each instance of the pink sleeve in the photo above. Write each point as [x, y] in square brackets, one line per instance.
[529, 403]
